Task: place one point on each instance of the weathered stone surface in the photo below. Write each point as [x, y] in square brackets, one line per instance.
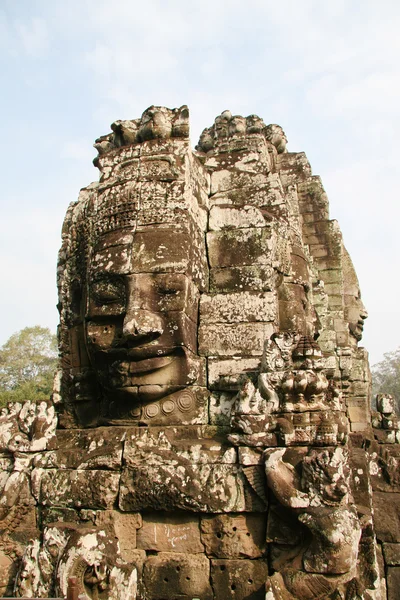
[239, 578]
[227, 217]
[234, 536]
[224, 374]
[387, 516]
[165, 532]
[221, 407]
[391, 553]
[186, 445]
[82, 449]
[241, 247]
[250, 456]
[238, 307]
[232, 339]
[27, 427]
[75, 488]
[393, 582]
[170, 575]
[256, 278]
[194, 487]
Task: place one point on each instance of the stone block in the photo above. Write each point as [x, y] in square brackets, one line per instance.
[75, 488]
[386, 404]
[172, 575]
[188, 445]
[335, 301]
[241, 339]
[387, 436]
[239, 579]
[169, 203]
[240, 307]
[114, 259]
[393, 583]
[390, 422]
[177, 147]
[254, 278]
[358, 426]
[268, 197]
[167, 248]
[225, 180]
[236, 248]
[358, 410]
[8, 573]
[162, 250]
[161, 167]
[250, 156]
[165, 532]
[359, 464]
[387, 516]
[125, 527]
[334, 288]
[234, 536]
[331, 275]
[391, 553]
[224, 374]
[179, 485]
[314, 240]
[55, 514]
[294, 168]
[99, 448]
[226, 217]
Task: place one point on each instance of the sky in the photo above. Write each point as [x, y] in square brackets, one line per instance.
[327, 72]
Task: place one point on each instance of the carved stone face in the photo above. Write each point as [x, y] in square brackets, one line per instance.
[354, 309]
[355, 314]
[140, 326]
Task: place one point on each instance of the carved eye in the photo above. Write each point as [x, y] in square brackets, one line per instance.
[108, 291]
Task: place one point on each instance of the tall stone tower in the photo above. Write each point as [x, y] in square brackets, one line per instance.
[209, 436]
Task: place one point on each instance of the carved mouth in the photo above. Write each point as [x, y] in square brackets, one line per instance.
[140, 353]
[150, 364]
[129, 368]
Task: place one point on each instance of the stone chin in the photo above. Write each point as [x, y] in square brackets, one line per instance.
[357, 329]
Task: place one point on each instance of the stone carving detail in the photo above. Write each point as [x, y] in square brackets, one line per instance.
[157, 122]
[214, 437]
[227, 126]
[292, 402]
[90, 556]
[319, 497]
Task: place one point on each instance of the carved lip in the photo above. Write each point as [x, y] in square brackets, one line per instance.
[140, 353]
[150, 364]
[126, 367]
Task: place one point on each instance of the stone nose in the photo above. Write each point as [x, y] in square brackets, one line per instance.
[140, 323]
[363, 312]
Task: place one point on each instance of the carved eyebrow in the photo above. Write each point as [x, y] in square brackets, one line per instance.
[171, 285]
[108, 290]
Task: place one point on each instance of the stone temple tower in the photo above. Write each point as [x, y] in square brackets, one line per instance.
[210, 433]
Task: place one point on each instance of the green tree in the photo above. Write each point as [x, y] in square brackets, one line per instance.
[386, 375]
[27, 363]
